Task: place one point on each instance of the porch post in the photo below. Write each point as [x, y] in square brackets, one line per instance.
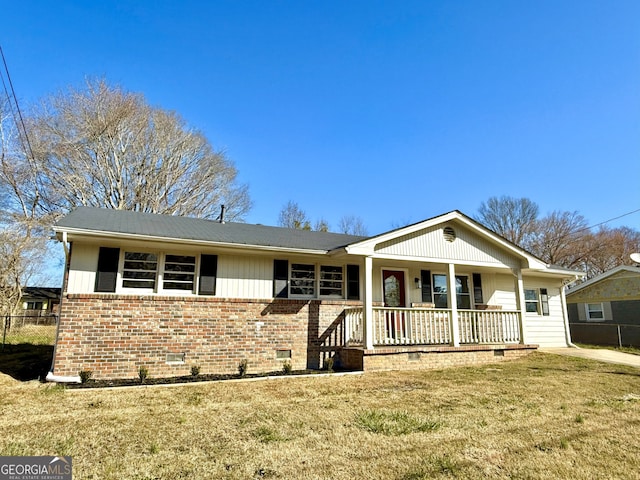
[368, 303]
[521, 304]
[452, 299]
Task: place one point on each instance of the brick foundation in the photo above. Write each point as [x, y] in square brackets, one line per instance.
[429, 357]
[114, 335]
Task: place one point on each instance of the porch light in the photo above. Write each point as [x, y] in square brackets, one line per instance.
[418, 283]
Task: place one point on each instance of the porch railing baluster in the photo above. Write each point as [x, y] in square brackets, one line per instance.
[430, 326]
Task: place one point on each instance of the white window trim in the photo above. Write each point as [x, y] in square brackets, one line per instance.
[178, 291]
[538, 312]
[158, 290]
[588, 312]
[316, 285]
[120, 277]
[472, 303]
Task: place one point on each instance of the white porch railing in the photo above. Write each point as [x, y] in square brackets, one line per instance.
[353, 326]
[489, 326]
[426, 326]
[411, 326]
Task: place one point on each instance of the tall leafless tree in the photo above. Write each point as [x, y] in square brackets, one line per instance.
[562, 238]
[105, 147]
[512, 218]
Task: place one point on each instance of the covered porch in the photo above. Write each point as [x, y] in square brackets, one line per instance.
[418, 303]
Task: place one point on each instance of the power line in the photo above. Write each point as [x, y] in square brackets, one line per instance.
[13, 101]
[606, 221]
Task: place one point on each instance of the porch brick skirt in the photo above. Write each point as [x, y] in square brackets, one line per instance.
[429, 357]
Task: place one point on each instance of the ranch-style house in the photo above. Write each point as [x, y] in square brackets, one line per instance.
[169, 293]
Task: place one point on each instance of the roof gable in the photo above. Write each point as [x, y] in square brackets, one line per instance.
[434, 243]
[620, 283]
[477, 242]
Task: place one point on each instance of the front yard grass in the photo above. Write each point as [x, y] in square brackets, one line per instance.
[545, 416]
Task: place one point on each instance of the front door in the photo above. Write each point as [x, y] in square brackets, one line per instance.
[394, 297]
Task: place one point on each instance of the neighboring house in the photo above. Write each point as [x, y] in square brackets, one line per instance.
[40, 301]
[169, 292]
[597, 306]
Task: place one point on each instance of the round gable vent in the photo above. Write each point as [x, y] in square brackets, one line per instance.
[449, 234]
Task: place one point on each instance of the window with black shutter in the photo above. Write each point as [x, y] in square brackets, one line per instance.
[107, 273]
[280, 278]
[208, 274]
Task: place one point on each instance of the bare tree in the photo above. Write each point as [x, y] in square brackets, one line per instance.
[352, 225]
[102, 146]
[611, 248]
[562, 238]
[513, 218]
[292, 216]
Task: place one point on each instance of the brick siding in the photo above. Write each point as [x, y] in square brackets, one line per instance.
[114, 335]
[430, 357]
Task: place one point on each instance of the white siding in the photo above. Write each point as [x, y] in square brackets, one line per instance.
[430, 243]
[83, 266]
[546, 331]
[503, 292]
[244, 277]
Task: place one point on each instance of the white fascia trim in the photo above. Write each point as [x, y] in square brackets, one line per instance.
[183, 241]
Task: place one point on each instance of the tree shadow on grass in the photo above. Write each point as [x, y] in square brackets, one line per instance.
[25, 361]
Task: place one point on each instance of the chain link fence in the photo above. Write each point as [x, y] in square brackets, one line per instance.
[609, 334]
[30, 330]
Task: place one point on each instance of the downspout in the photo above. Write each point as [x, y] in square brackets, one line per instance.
[565, 313]
[50, 376]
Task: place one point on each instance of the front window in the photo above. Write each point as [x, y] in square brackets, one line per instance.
[463, 294]
[531, 301]
[34, 305]
[595, 311]
[440, 290]
[537, 301]
[179, 272]
[330, 281]
[139, 270]
[303, 279]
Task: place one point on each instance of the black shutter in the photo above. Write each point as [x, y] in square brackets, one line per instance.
[477, 289]
[353, 282]
[281, 278]
[208, 274]
[107, 273]
[426, 286]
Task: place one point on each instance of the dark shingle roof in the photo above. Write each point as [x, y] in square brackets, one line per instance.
[112, 221]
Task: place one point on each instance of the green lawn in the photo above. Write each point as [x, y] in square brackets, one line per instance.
[545, 416]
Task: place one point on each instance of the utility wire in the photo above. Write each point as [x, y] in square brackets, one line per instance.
[13, 101]
[606, 221]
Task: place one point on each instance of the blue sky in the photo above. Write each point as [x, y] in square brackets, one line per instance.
[391, 111]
